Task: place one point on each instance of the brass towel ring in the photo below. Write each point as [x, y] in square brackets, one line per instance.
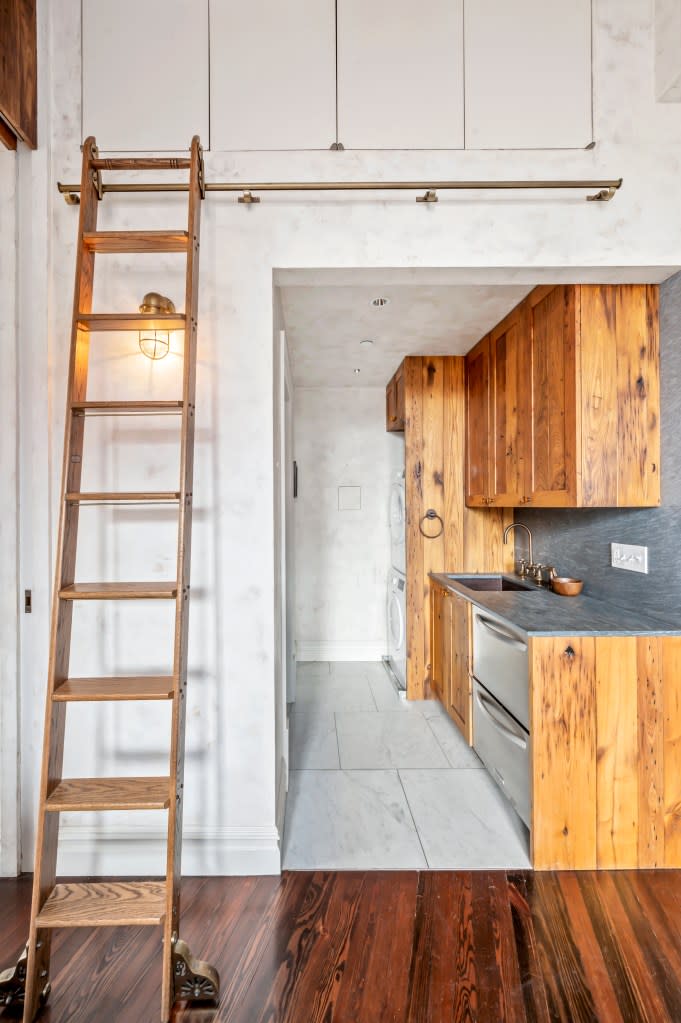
[431, 514]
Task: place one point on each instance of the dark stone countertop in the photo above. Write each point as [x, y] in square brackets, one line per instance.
[540, 612]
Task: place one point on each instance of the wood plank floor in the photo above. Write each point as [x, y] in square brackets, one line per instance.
[389, 947]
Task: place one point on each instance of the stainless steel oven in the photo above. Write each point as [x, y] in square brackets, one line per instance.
[501, 713]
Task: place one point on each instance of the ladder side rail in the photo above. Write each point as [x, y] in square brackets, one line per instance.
[47, 833]
[174, 849]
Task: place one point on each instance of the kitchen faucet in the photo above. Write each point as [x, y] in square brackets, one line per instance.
[521, 525]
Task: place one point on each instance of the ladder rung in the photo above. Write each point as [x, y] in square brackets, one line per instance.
[125, 407]
[131, 321]
[141, 163]
[136, 241]
[119, 591]
[105, 904]
[81, 794]
[138, 687]
[125, 497]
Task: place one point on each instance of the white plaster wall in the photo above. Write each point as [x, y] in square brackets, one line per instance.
[230, 811]
[9, 546]
[342, 557]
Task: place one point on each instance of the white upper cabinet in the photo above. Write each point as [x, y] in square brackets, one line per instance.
[528, 74]
[273, 74]
[400, 74]
[145, 73]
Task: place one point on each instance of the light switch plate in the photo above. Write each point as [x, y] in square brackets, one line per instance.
[629, 557]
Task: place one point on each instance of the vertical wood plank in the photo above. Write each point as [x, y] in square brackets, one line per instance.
[413, 450]
[671, 690]
[651, 752]
[433, 396]
[563, 730]
[599, 395]
[617, 751]
[638, 394]
[454, 443]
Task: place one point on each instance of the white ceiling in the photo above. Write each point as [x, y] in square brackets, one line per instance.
[327, 313]
[325, 325]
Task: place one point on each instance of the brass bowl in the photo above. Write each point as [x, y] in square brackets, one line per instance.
[567, 587]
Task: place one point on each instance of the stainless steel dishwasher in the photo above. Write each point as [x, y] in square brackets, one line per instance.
[501, 711]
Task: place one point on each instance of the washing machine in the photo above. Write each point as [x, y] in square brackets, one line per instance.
[398, 524]
[397, 626]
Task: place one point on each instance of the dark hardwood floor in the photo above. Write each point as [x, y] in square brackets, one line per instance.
[380, 947]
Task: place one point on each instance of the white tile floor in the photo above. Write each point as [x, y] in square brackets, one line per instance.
[377, 782]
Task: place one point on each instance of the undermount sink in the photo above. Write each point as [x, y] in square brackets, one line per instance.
[489, 582]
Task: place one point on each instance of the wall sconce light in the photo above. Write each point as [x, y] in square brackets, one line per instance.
[155, 344]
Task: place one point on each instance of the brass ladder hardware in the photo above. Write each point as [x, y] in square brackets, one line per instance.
[248, 198]
[606, 189]
[430, 196]
[193, 979]
[125, 902]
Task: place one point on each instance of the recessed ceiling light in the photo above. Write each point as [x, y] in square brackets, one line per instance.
[357, 371]
[378, 303]
[366, 341]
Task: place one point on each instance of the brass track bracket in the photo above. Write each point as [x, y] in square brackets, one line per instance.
[605, 195]
[430, 196]
[193, 980]
[13, 984]
[248, 198]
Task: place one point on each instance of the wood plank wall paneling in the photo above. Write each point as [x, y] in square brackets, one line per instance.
[671, 692]
[598, 376]
[435, 456]
[606, 738]
[563, 730]
[617, 751]
[651, 752]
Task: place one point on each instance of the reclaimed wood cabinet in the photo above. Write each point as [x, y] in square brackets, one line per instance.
[394, 403]
[18, 73]
[450, 656]
[569, 383]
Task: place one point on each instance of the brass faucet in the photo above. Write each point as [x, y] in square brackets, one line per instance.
[529, 566]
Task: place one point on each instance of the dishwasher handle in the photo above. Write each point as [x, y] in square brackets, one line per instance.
[502, 724]
[500, 632]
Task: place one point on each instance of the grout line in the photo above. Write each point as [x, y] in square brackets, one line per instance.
[335, 725]
[434, 734]
[411, 814]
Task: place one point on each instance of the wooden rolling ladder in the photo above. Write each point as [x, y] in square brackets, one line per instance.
[125, 903]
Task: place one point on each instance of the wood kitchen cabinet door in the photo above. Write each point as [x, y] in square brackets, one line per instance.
[400, 74]
[478, 424]
[528, 74]
[395, 403]
[551, 324]
[437, 665]
[511, 374]
[456, 627]
[272, 74]
[145, 73]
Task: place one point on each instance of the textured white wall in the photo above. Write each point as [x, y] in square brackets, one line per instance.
[9, 440]
[342, 557]
[231, 766]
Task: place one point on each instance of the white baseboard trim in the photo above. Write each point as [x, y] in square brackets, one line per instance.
[131, 852]
[326, 650]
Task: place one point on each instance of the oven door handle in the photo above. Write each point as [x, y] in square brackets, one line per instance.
[499, 631]
[487, 707]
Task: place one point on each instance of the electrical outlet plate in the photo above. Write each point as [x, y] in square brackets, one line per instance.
[629, 557]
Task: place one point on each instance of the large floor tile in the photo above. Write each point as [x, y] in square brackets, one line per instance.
[387, 696]
[332, 694]
[312, 669]
[313, 742]
[387, 739]
[464, 822]
[455, 748]
[349, 820]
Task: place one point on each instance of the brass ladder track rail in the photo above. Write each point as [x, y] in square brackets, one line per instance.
[127, 902]
[605, 189]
